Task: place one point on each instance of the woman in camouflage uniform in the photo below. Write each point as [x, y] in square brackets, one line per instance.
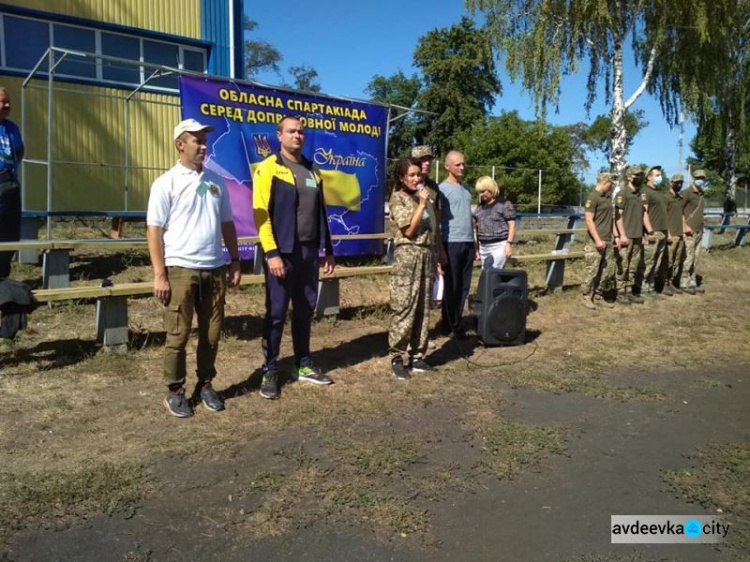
[413, 224]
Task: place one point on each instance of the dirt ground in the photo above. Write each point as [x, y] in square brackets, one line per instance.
[517, 453]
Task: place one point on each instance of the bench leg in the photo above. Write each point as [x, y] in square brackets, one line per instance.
[29, 231]
[708, 238]
[555, 274]
[574, 222]
[329, 302]
[117, 225]
[258, 259]
[739, 240]
[390, 248]
[112, 322]
[56, 269]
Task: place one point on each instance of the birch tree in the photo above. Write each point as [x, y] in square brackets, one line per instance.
[542, 41]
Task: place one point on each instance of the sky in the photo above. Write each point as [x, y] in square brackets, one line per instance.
[350, 42]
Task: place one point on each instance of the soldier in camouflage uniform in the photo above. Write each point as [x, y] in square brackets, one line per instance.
[599, 287]
[630, 220]
[693, 207]
[656, 254]
[674, 220]
[413, 224]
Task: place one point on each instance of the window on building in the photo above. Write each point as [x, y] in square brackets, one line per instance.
[157, 52]
[75, 39]
[24, 41]
[193, 59]
[121, 46]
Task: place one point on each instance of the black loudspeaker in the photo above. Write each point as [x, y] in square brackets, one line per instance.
[500, 306]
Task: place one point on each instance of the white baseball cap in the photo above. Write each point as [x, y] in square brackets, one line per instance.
[190, 126]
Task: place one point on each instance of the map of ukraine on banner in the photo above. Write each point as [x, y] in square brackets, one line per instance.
[344, 139]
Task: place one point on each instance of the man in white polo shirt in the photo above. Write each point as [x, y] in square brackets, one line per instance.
[188, 215]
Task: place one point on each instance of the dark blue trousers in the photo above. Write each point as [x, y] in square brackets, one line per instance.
[457, 280]
[300, 285]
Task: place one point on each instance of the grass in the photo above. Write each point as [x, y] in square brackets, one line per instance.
[57, 498]
[366, 451]
[511, 448]
[719, 480]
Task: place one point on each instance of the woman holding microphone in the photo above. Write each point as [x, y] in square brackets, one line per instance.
[414, 225]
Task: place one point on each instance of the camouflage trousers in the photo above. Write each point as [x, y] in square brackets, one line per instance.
[410, 287]
[656, 260]
[692, 253]
[676, 257]
[599, 270]
[630, 267]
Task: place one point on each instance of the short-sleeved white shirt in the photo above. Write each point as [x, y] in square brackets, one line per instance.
[190, 207]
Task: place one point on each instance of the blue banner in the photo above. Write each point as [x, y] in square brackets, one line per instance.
[345, 140]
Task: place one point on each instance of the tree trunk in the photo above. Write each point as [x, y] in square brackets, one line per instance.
[730, 163]
[618, 133]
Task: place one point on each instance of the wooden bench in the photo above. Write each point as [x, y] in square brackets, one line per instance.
[112, 300]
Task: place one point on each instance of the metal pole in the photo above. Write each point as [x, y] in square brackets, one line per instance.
[23, 136]
[493, 173]
[437, 170]
[539, 200]
[50, 85]
[127, 151]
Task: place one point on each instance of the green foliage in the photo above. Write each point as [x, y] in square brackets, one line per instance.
[709, 147]
[259, 55]
[397, 89]
[518, 149]
[305, 78]
[460, 83]
[597, 135]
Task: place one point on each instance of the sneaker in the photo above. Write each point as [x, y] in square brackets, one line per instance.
[676, 289]
[603, 303]
[689, 290]
[587, 302]
[421, 366]
[313, 375]
[176, 403]
[668, 291]
[635, 299]
[700, 290]
[458, 335]
[623, 299]
[269, 388]
[211, 400]
[398, 370]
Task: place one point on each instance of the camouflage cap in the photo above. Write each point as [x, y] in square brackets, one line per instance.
[676, 178]
[699, 174]
[651, 168]
[605, 176]
[421, 151]
[633, 170]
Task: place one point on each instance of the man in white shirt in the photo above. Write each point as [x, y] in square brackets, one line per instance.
[189, 213]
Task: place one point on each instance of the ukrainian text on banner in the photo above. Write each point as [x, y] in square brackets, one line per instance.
[344, 139]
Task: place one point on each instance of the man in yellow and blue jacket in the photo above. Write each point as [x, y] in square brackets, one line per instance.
[290, 215]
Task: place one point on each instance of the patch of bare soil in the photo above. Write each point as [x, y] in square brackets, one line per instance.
[524, 450]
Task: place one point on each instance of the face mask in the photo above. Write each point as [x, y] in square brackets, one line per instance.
[657, 180]
[638, 180]
[700, 184]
